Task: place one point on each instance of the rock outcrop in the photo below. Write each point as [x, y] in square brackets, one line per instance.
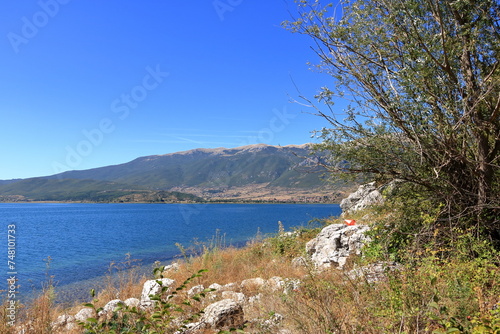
[170, 268]
[84, 314]
[224, 313]
[335, 243]
[195, 290]
[64, 323]
[365, 196]
[151, 287]
[132, 302]
[110, 307]
[252, 284]
[238, 297]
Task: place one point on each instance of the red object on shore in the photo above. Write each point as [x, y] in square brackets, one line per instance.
[350, 222]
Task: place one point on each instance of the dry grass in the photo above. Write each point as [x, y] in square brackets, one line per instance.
[122, 281]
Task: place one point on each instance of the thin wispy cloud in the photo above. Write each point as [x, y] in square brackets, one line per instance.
[204, 133]
[179, 141]
[205, 136]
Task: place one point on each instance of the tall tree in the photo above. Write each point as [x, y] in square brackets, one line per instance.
[423, 80]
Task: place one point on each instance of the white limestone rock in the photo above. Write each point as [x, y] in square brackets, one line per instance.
[276, 283]
[252, 284]
[174, 267]
[195, 290]
[291, 285]
[273, 322]
[84, 314]
[222, 314]
[335, 243]
[215, 286]
[151, 287]
[110, 307]
[229, 287]
[132, 302]
[64, 322]
[365, 196]
[238, 297]
[252, 300]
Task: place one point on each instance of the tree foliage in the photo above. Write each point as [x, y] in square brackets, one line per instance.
[423, 81]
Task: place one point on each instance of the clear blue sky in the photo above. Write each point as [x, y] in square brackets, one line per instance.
[87, 84]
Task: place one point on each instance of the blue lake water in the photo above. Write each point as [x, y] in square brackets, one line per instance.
[83, 239]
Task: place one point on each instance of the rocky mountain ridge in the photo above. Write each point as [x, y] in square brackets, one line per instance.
[252, 172]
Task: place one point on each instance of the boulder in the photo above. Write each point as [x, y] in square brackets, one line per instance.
[217, 289]
[215, 286]
[64, 322]
[236, 296]
[335, 243]
[291, 285]
[252, 284]
[84, 314]
[195, 290]
[252, 300]
[366, 195]
[132, 302]
[276, 283]
[269, 325]
[284, 285]
[174, 267]
[229, 287]
[151, 287]
[110, 307]
[273, 322]
[284, 331]
[224, 313]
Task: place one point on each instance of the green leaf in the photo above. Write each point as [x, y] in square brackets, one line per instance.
[434, 305]
[433, 281]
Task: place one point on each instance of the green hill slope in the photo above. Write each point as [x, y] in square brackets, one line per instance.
[254, 164]
[40, 189]
[201, 171]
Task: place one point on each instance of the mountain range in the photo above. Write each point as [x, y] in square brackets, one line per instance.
[254, 172]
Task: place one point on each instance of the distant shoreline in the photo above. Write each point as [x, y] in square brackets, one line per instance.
[145, 202]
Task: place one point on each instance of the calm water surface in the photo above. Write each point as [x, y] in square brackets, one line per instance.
[83, 239]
